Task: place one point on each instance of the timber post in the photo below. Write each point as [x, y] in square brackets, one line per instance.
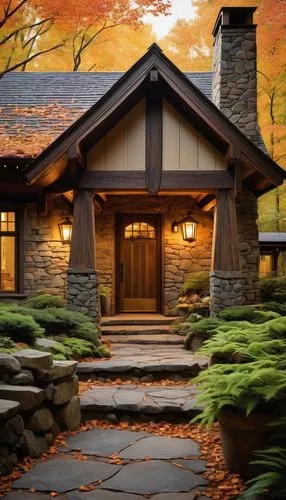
[83, 279]
[226, 283]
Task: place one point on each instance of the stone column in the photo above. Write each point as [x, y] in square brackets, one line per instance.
[225, 278]
[83, 280]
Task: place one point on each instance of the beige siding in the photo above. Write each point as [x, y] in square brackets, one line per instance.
[184, 148]
[123, 148]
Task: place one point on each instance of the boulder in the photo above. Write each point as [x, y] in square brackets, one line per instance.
[65, 391]
[41, 421]
[8, 409]
[69, 416]
[25, 377]
[53, 433]
[34, 445]
[28, 396]
[11, 430]
[9, 365]
[59, 370]
[33, 359]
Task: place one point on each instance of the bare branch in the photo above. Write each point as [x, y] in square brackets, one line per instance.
[27, 60]
[12, 12]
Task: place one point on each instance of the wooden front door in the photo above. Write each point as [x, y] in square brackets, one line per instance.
[138, 269]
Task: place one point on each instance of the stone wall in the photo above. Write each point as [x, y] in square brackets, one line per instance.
[226, 290]
[46, 257]
[247, 229]
[38, 398]
[82, 292]
[234, 77]
[180, 257]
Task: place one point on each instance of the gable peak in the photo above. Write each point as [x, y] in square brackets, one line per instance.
[155, 48]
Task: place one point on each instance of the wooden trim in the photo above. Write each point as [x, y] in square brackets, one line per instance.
[207, 203]
[18, 208]
[171, 180]
[153, 145]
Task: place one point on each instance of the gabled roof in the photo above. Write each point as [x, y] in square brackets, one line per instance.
[46, 104]
[184, 95]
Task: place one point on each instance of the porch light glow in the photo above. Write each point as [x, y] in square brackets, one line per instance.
[189, 228]
[175, 227]
[65, 229]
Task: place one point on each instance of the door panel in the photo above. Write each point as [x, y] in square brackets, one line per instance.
[139, 273]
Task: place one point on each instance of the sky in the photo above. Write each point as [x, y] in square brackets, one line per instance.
[162, 24]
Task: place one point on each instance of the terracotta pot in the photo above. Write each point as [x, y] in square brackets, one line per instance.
[241, 436]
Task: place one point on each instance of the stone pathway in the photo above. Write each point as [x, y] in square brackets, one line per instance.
[140, 360]
[157, 402]
[147, 466]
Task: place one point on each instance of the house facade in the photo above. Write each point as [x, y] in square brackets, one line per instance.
[155, 151]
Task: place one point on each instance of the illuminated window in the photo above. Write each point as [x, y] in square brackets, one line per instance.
[140, 230]
[8, 251]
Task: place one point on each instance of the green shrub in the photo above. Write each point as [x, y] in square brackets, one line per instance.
[78, 348]
[197, 283]
[103, 352]
[6, 343]
[247, 313]
[18, 327]
[276, 307]
[204, 328]
[44, 301]
[273, 289]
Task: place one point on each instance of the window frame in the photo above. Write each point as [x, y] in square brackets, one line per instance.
[19, 247]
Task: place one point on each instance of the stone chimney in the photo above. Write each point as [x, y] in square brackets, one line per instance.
[234, 89]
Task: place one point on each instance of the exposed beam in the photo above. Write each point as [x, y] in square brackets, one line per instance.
[207, 203]
[153, 138]
[171, 180]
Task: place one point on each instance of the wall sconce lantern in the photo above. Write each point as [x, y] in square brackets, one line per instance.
[189, 228]
[65, 229]
[175, 227]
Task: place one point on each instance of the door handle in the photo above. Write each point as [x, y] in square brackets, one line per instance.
[121, 272]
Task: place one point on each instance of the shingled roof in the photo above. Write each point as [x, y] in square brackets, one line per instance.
[35, 108]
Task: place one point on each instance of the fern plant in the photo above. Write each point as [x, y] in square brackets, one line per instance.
[259, 385]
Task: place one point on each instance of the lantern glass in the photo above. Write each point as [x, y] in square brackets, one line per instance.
[189, 230]
[175, 227]
[65, 228]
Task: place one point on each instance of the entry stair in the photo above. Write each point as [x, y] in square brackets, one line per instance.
[148, 374]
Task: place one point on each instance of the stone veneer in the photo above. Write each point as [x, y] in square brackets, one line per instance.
[234, 77]
[226, 290]
[82, 292]
[46, 257]
[180, 257]
[247, 214]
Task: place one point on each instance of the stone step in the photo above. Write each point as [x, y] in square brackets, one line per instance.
[159, 339]
[156, 402]
[137, 319]
[160, 363]
[135, 329]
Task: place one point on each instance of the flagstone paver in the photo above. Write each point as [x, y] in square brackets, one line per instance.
[103, 442]
[136, 399]
[154, 476]
[172, 468]
[62, 474]
[160, 447]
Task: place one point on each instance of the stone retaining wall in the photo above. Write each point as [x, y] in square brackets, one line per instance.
[38, 398]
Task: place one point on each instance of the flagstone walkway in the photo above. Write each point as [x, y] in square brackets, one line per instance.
[119, 465]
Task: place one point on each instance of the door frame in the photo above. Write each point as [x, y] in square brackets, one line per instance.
[160, 258]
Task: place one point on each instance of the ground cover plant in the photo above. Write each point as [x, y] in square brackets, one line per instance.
[247, 376]
[195, 293]
[75, 333]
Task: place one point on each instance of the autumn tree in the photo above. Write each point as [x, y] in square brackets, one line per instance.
[84, 22]
[22, 24]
